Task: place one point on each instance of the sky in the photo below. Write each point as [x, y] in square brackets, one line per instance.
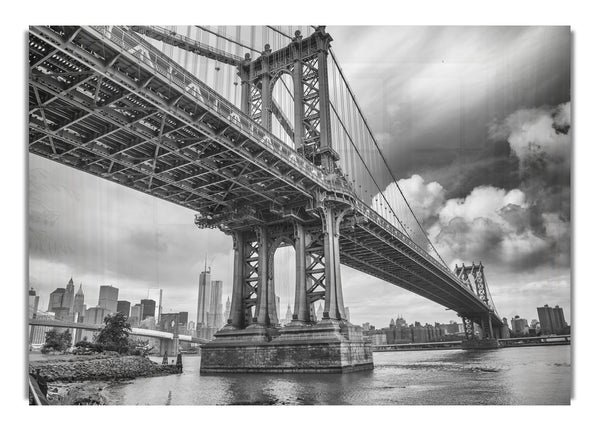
[476, 125]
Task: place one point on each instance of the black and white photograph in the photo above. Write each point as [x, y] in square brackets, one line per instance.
[299, 215]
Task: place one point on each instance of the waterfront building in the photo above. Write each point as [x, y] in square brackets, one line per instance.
[108, 298]
[148, 308]
[552, 320]
[377, 336]
[519, 326]
[124, 307]
[203, 298]
[33, 303]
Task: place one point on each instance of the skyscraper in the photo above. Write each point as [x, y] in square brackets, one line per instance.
[203, 298]
[135, 315]
[519, 326]
[123, 307]
[148, 308]
[227, 309]
[78, 304]
[33, 303]
[552, 320]
[108, 298]
[215, 310]
[68, 296]
[56, 298]
[320, 311]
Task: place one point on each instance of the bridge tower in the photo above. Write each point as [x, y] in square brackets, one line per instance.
[474, 277]
[252, 340]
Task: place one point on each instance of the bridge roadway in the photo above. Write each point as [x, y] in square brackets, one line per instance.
[105, 101]
[134, 331]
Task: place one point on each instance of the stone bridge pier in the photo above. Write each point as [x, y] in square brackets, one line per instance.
[253, 340]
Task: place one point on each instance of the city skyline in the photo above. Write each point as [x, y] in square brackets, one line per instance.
[408, 318]
[481, 192]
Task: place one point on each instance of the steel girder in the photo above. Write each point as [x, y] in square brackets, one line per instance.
[83, 117]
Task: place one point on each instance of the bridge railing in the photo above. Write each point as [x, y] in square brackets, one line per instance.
[375, 217]
[146, 53]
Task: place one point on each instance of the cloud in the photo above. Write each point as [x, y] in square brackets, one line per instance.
[538, 135]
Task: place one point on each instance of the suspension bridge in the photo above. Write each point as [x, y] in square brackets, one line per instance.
[258, 131]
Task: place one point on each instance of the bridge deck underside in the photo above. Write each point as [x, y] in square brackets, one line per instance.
[152, 138]
[375, 251]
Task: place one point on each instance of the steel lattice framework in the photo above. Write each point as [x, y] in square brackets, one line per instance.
[108, 103]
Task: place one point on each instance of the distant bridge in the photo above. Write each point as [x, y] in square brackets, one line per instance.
[134, 331]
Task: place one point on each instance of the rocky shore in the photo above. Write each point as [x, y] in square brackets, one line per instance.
[71, 379]
[99, 367]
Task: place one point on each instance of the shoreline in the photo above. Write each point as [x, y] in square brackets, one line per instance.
[81, 380]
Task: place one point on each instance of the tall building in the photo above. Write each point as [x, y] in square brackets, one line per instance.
[33, 303]
[56, 298]
[108, 298]
[135, 316]
[552, 320]
[203, 299]
[38, 333]
[347, 311]
[68, 296]
[227, 309]
[78, 304]
[124, 307]
[215, 309]
[93, 316]
[320, 311]
[148, 308]
[278, 307]
[519, 326]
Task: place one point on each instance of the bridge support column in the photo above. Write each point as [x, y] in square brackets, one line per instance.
[236, 316]
[266, 314]
[334, 301]
[301, 313]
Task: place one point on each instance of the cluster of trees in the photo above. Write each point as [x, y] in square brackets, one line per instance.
[57, 341]
[113, 337]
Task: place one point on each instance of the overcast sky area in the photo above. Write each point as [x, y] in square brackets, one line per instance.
[476, 124]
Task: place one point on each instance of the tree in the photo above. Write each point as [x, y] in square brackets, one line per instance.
[57, 341]
[115, 334]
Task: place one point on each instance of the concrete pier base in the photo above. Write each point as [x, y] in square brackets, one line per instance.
[480, 344]
[329, 346]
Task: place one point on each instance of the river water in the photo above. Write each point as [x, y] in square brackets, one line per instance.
[521, 376]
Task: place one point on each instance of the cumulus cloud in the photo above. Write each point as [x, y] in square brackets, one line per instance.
[538, 136]
[426, 200]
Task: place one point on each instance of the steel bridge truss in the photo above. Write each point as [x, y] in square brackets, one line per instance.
[108, 103]
[98, 108]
